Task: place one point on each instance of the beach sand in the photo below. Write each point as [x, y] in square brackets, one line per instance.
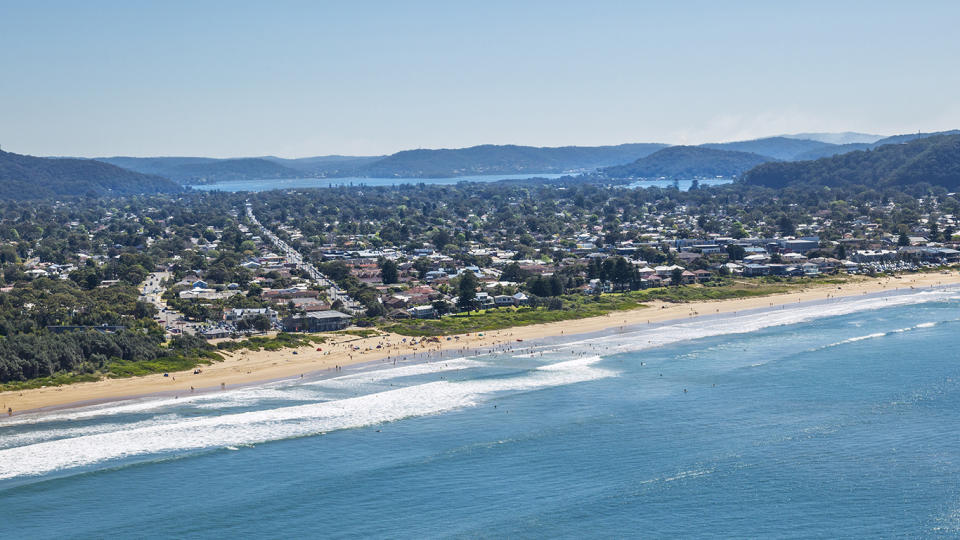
[247, 367]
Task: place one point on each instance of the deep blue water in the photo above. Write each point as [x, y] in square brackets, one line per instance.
[833, 420]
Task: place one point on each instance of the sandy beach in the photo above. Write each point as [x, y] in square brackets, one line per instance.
[246, 367]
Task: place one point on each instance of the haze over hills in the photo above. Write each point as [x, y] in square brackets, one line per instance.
[688, 162]
[828, 151]
[29, 177]
[935, 160]
[783, 148]
[325, 165]
[32, 177]
[441, 163]
[506, 159]
[846, 137]
[502, 159]
[200, 170]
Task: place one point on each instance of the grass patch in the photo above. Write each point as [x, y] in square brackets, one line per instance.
[279, 342]
[55, 380]
[581, 306]
[575, 307]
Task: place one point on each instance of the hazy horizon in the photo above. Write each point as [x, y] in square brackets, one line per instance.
[788, 135]
[300, 79]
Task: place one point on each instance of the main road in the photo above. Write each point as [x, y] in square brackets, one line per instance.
[334, 292]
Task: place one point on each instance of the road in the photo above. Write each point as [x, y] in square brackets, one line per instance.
[151, 290]
[334, 292]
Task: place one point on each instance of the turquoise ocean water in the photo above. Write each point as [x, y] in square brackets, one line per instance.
[836, 419]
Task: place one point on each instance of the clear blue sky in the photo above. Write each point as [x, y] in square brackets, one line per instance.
[311, 78]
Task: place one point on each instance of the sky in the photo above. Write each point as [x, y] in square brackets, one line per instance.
[294, 79]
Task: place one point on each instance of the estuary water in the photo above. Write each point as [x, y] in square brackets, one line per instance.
[836, 419]
[300, 183]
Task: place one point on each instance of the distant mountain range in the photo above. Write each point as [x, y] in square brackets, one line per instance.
[444, 163]
[846, 137]
[782, 148]
[508, 159]
[932, 159]
[28, 177]
[688, 162]
[836, 150]
[770, 161]
[728, 159]
[199, 170]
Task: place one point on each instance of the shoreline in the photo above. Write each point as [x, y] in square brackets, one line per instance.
[348, 353]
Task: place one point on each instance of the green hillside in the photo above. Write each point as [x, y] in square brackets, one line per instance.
[782, 148]
[688, 162]
[935, 160]
[29, 177]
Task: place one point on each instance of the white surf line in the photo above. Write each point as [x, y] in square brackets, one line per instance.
[284, 422]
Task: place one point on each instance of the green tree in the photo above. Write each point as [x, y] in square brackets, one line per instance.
[948, 233]
[676, 277]
[388, 271]
[841, 252]
[467, 291]
[736, 252]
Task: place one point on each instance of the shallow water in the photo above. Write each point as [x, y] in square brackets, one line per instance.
[836, 419]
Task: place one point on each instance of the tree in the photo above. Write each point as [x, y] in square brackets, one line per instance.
[841, 252]
[736, 252]
[441, 238]
[422, 265]
[622, 272]
[512, 272]
[948, 233]
[442, 307]
[786, 226]
[556, 285]
[676, 277]
[388, 271]
[539, 286]
[261, 322]
[903, 240]
[467, 291]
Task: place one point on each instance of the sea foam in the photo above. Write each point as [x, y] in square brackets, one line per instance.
[283, 422]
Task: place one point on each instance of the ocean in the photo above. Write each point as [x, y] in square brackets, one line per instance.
[832, 419]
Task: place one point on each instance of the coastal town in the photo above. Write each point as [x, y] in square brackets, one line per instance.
[248, 274]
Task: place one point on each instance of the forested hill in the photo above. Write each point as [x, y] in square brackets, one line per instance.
[508, 159]
[829, 151]
[199, 170]
[688, 162]
[935, 160]
[776, 147]
[326, 165]
[27, 177]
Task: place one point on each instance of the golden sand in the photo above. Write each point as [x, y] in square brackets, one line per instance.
[246, 367]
